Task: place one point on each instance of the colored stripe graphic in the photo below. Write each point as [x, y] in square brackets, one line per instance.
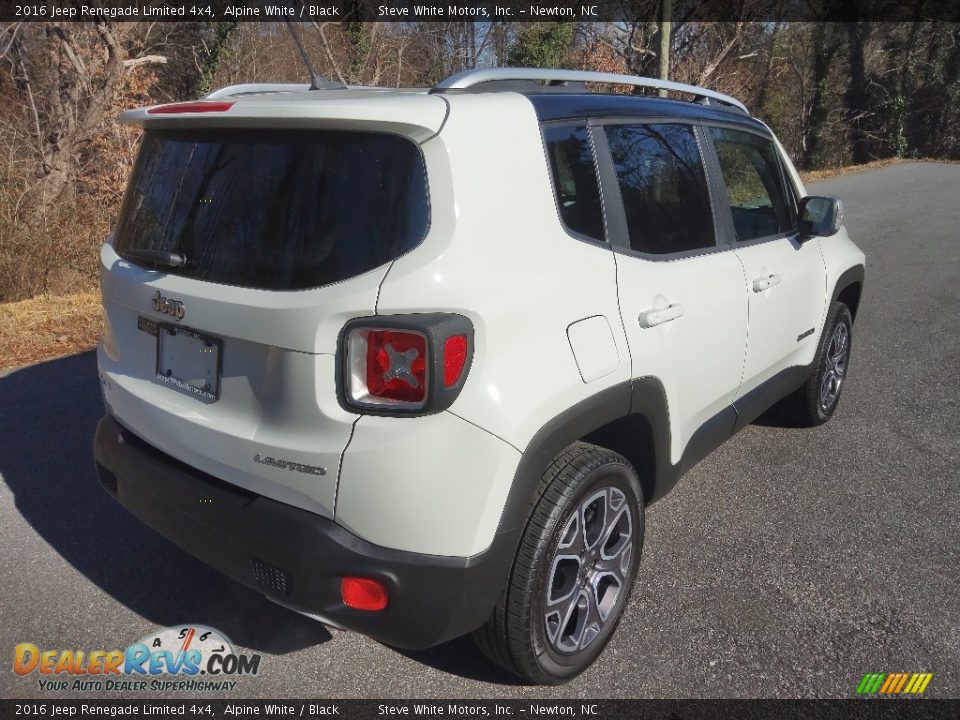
[913, 683]
[900, 683]
[922, 682]
[894, 683]
[889, 683]
[871, 683]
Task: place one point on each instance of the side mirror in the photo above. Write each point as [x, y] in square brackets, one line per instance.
[820, 216]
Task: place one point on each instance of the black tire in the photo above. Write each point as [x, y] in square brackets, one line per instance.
[524, 635]
[812, 405]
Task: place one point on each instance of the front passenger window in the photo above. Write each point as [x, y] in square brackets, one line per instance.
[758, 198]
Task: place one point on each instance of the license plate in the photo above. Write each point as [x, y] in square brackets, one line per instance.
[189, 361]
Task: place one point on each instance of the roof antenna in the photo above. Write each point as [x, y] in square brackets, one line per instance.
[316, 81]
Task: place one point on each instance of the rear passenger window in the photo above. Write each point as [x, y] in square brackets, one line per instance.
[758, 198]
[663, 186]
[575, 179]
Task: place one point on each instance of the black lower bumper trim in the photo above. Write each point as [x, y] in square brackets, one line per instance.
[298, 557]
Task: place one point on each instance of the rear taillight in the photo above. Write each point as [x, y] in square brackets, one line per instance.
[454, 357]
[387, 367]
[404, 364]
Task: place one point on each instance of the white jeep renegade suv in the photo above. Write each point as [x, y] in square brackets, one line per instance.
[413, 362]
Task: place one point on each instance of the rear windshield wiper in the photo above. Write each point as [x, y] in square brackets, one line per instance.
[156, 257]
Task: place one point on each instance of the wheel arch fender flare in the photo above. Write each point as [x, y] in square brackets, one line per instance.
[638, 400]
[852, 277]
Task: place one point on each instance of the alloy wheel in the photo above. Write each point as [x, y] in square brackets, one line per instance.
[590, 570]
[838, 352]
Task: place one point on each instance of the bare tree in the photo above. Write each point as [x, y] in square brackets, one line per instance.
[70, 77]
[665, 32]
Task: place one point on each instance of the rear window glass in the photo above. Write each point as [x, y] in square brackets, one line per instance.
[275, 209]
[575, 179]
[663, 186]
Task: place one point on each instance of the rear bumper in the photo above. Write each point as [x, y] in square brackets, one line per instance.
[297, 557]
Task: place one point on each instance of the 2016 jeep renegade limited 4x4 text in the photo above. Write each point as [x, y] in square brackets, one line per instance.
[413, 362]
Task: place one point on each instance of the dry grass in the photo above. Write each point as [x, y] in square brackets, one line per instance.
[811, 176]
[48, 326]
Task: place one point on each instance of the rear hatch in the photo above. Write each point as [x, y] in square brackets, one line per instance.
[247, 238]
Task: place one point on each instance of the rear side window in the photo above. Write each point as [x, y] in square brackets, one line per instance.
[275, 209]
[663, 186]
[575, 179]
[758, 198]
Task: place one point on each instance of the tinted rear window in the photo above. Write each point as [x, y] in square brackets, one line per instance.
[275, 209]
[575, 179]
[664, 187]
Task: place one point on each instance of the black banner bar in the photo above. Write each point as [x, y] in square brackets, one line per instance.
[470, 11]
[873, 709]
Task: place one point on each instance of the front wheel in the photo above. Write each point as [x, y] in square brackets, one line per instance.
[817, 399]
[574, 569]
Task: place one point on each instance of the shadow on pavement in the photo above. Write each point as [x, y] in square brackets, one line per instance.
[777, 417]
[461, 657]
[48, 413]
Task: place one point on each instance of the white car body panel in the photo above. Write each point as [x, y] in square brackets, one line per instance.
[780, 315]
[423, 484]
[278, 394]
[464, 267]
[839, 254]
[698, 357]
[555, 319]
[594, 348]
[277, 403]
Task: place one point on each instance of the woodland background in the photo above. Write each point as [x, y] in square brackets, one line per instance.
[836, 93]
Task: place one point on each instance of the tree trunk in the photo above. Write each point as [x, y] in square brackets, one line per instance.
[856, 97]
[825, 45]
[78, 104]
[665, 28]
[211, 62]
[943, 138]
[767, 65]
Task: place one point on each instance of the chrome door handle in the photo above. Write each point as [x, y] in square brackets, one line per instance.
[649, 318]
[765, 283]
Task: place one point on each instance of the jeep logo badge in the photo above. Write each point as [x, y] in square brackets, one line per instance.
[173, 308]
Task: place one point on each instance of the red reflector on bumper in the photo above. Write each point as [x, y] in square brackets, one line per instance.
[190, 107]
[363, 593]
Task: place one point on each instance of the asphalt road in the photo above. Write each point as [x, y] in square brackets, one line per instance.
[787, 564]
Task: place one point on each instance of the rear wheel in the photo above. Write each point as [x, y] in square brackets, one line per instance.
[574, 570]
[817, 399]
